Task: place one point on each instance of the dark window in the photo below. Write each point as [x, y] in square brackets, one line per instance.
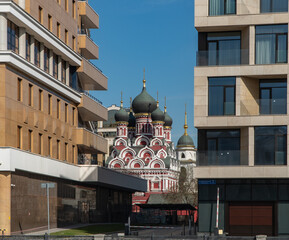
[273, 96]
[271, 44]
[222, 147]
[73, 77]
[37, 53]
[66, 112]
[271, 145]
[28, 43]
[55, 65]
[274, 6]
[222, 7]
[46, 59]
[49, 147]
[19, 137]
[222, 96]
[49, 104]
[40, 100]
[19, 89]
[30, 95]
[58, 149]
[30, 140]
[40, 143]
[224, 48]
[63, 74]
[12, 37]
[58, 108]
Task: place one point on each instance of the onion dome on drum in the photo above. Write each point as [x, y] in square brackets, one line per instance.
[168, 120]
[121, 115]
[185, 140]
[158, 115]
[144, 103]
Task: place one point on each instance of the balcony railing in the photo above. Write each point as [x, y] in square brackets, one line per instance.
[87, 94]
[255, 107]
[222, 158]
[223, 57]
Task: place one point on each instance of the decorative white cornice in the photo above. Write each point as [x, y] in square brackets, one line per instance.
[20, 17]
[39, 75]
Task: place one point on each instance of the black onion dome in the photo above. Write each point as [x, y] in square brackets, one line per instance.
[131, 120]
[121, 115]
[168, 120]
[185, 140]
[158, 115]
[144, 103]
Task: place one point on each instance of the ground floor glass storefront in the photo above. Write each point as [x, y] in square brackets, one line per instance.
[247, 207]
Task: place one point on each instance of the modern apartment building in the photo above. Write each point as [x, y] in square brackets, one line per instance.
[47, 120]
[241, 112]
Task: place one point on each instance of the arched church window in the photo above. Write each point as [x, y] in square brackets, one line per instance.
[183, 155]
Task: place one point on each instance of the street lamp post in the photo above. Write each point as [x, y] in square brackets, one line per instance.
[47, 186]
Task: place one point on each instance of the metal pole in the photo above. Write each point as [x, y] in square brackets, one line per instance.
[47, 189]
[218, 201]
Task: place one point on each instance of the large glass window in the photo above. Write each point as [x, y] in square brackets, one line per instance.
[271, 44]
[222, 7]
[224, 48]
[222, 96]
[223, 147]
[271, 145]
[274, 6]
[273, 96]
[12, 37]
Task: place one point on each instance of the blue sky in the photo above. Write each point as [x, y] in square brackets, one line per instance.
[157, 35]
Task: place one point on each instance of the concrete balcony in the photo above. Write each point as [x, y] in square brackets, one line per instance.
[89, 17]
[90, 142]
[87, 47]
[91, 109]
[91, 77]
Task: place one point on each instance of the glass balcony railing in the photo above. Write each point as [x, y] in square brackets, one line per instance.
[223, 57]
[222, 158]
[251, 107]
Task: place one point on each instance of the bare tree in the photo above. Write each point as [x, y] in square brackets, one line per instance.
[187, 191]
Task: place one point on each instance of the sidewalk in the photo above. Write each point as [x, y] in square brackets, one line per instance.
[53, 230]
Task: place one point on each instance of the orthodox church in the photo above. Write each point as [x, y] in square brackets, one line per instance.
[143, 145]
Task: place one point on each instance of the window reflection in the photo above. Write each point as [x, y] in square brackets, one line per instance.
[273, 96]
[222, 96]
[271, 44]
[271, 145]
[222, 7]
[274, 6]
[223, 147]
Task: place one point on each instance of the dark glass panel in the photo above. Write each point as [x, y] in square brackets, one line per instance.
[222, 96]
[238, 192]
[212, 53]
[265, 101]
[264, 192]
[267, 29]
[229, 108]
[216, 101]
[271, 145]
